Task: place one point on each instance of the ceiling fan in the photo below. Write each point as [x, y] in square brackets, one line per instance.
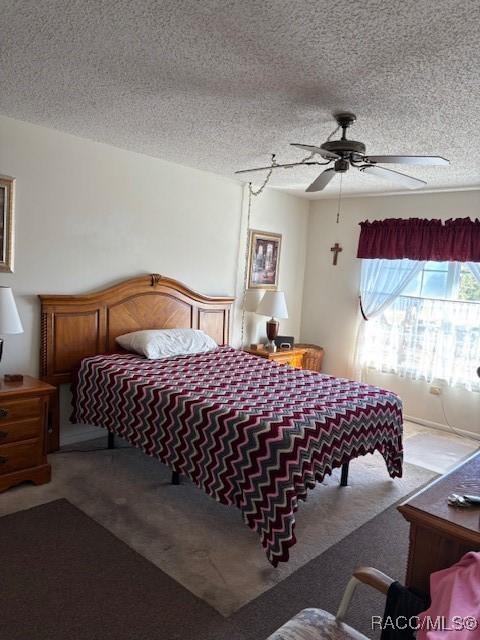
[346, 153]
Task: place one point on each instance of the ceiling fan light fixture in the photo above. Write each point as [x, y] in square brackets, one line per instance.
[341, 166]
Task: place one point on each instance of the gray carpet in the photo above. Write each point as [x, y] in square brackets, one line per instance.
[65, 576]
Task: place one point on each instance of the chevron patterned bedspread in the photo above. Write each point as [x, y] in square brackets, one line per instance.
[249, 432]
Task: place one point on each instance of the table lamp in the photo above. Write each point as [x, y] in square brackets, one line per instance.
[9, 319]
[273, 304]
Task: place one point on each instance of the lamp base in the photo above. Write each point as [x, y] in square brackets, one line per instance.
[272, 333]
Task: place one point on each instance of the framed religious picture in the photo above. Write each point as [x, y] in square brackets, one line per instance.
[7, 203]
[263, 259]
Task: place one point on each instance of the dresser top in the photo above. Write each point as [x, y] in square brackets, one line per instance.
[430, 505]
[28, 386]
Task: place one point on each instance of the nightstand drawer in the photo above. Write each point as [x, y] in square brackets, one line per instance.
[284, 358]
[11, 410]
[21, 455]
[293, 359]
[20, 430]
[296, 361]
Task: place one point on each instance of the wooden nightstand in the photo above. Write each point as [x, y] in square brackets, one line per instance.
[23, 426]
[293, 357]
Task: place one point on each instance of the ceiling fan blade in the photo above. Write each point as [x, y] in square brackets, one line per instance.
[321, 181]
[421, 160]
[275, 166]
[394, 176]
[313, 149]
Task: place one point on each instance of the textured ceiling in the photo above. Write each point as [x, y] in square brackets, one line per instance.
[220, 84]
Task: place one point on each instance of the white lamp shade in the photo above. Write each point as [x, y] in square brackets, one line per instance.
[9, 319]
[273, 305]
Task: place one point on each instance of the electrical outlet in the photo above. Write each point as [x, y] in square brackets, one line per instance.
[436, 391]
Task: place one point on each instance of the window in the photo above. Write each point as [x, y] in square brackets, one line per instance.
[444, 280]
[431, 331]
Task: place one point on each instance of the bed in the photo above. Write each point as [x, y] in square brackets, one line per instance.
[249, 432]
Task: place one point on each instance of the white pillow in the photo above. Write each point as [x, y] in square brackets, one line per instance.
[164, 343]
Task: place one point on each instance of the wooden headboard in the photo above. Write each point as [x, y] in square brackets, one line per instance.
[74, 327]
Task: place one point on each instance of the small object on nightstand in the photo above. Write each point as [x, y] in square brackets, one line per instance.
[13, 377]
[273, 304]
[285, 342]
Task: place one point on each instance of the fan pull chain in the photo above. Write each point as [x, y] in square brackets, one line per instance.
[339, 198]
[265, 182]
[247, 248]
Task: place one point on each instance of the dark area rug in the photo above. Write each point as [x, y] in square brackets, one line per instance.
[64, 576]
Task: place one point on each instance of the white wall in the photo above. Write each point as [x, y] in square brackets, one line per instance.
[89, 215]
[330, 305]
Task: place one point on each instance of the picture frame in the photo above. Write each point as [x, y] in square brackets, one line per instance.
[264, 259]
[7, 206]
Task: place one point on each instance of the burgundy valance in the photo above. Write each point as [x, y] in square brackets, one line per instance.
[418, 239]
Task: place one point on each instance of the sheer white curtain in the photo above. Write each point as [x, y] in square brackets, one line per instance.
[418, 338]
[382, 281]
[425, 339]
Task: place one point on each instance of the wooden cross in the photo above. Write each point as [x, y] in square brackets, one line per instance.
[336, 250]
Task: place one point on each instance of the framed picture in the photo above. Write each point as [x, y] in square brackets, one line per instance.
[7, 202]
[264, 259]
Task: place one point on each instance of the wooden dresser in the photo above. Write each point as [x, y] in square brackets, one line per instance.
[439, 533]
[293, 357]
[23, 426]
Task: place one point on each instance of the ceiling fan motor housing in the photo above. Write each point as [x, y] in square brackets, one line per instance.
[344, 148]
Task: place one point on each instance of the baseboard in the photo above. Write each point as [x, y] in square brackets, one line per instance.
[443, 427]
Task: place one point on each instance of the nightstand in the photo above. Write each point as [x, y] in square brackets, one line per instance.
[23, 431]
[293, 357]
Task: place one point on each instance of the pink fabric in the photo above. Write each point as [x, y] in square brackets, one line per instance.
[419, 239]
[455, 594]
